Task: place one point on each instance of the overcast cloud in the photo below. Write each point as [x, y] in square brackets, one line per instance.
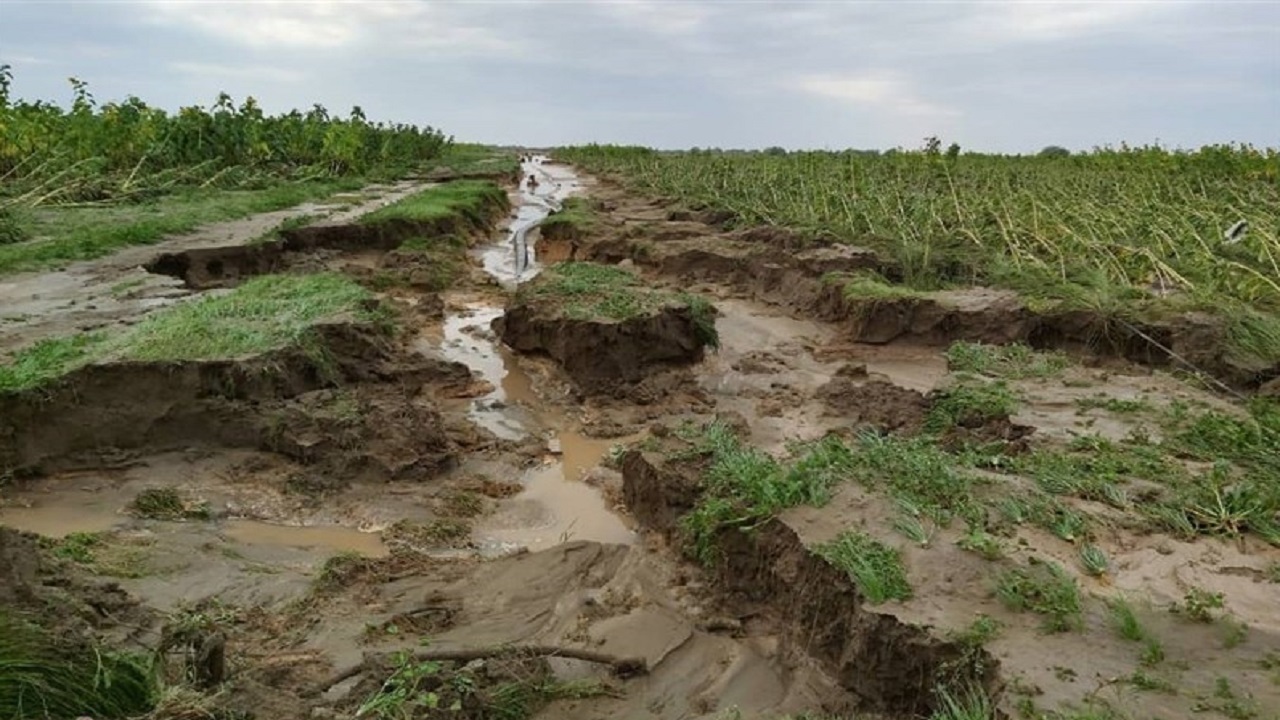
[1001, 76]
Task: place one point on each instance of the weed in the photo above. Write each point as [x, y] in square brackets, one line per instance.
[971, 703]
[744, 487]
[1124, 619]
[981, 542]
[1236, 632]
[576, 216]
[981, 631]
[1115, 405]
[43, 675]
[917, 527]
[874, 567]
[339, 570]
[1225, 701]
[1272, 572]
[1141, 680]
[970, 404]
[166, 503]
[1094, 560]
[421, 537]
[1013, 361]
[1198, 605]
[464, 504]
[1152, 653]
[1043, 588]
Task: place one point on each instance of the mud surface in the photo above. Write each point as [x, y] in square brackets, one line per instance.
[444, 487]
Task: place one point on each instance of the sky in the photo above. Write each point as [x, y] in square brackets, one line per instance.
[992, 76]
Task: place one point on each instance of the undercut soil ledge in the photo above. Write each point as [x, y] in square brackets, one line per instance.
[892, 667]
[607, 332]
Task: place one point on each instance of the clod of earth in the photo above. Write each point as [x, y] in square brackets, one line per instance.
[604, 327]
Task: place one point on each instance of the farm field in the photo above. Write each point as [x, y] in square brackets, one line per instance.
[303, 416]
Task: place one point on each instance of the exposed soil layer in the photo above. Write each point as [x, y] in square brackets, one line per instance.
[102, 414]
[803, 275]
[890, 666]
[602, 356]
[873, 403]
[208, 267]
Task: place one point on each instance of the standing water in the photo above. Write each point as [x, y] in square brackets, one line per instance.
[555, 504]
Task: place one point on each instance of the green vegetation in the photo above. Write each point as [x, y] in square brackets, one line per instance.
[60, 234]
[1125, 620]
[470, 199]
[427, 689]
[745, 487]
[44, 675]
[1014, 361]
[167, 503]
[1043, 588]
[574, 218]
[84, 182]
[1094, 560]
[1198, 605]
[470, 159]
[591, 291]
[264, 314]
[967, 704]
[1092, 231]
[102, 554]
[874, 567]
[970, 403]
[129, 150]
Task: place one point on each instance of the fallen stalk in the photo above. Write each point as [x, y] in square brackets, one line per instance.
[622, 667]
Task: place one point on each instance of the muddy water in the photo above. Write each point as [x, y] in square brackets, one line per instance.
[58, 521]
[555, 504]
[516, 259]
[330, 538]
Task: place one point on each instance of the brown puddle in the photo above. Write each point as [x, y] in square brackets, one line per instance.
[58, 520]
[556, 506]
[332, 538]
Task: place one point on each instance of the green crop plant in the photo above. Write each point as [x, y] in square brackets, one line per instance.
[874, 567]
[1103, 231]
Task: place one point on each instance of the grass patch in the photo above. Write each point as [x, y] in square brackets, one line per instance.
[61, 234]
[744, 487]
[419, 537]
[471, 159]
[470, 199]
[417, 688]
[46, 360]
[101, 554]
[45, 676]
[970, 404]
[1046, 589]
[574, 218]
[167, 503]
[1120, 406]
[875, 568]
[1124, 620]
[264, 314]
[871, 286]
[589, 291]
[1015, 361]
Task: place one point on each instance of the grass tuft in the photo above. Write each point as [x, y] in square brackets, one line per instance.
[44, 676]
[1014, 361]
[875, 568]
[744, 486]
[1046, 589]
